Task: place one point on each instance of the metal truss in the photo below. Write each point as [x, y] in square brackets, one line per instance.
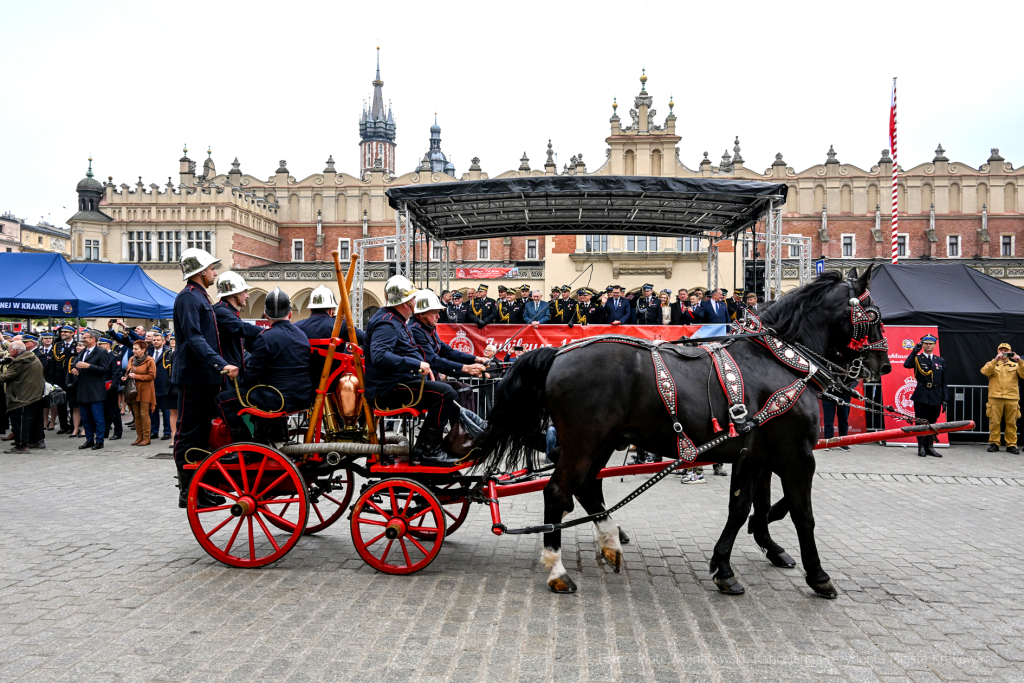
[359, 281]
[773, 260]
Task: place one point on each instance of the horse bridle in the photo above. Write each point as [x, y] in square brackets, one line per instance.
[863, 318]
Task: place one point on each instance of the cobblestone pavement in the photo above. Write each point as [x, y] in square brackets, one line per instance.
[101, 579]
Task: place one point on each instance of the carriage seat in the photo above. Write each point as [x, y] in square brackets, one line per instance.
[256, 412]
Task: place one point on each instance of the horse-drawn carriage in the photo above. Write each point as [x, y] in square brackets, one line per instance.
[298, 474]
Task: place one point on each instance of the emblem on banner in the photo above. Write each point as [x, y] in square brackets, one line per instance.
[907, 344]
[68, 308]
[462, 343]
[903, 400]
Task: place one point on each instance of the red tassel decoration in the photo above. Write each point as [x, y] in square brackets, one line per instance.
[732, 430]
[714, 425]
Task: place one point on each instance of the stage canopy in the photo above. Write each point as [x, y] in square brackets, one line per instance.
[130, 279]
[45, 285]
[547, 205]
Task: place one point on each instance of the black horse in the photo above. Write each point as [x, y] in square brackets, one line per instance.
[602, 397]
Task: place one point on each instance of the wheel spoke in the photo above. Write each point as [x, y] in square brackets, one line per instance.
[219, 507]
[394, 502]
[214, 489]
[423, 529]
[420, 513]
[333, 500]
[408, 502]
[219, 526]
[450, 513]
[405, 551]
[259, 475]
[374, 522]
[291, 526]
[377, 508]
[252, 543]
[267, 532]
[316, 509]
[245, 475]
[234, 535]
[417, 544]
[275, 483]
[384, 557]
[281, 500]
[227, 476]
[374, 540]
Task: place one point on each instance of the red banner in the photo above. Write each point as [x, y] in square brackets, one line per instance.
[899, 385]
[484, 273]
[469, 339]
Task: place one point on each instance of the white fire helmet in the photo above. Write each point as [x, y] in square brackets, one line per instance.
[322, 297]
[229, 283]
[427, 301]
[195, 261]
[398, 290]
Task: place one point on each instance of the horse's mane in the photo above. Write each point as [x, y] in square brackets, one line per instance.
[800, 315]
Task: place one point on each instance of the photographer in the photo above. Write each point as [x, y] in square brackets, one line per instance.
[1003, 371]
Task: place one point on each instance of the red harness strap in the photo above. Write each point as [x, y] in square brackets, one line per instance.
[667, 390]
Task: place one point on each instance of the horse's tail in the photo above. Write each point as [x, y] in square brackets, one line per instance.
[519, 410]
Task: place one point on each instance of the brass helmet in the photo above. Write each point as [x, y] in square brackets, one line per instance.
[322, 297]
[427, 301]
[195, 261]
[398, 290]
[229, 283]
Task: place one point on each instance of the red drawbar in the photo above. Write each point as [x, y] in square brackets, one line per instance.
[256, 412]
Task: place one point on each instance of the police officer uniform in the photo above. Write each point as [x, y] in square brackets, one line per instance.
[510, 311]
[279, 359]
[456, 311]
[60, 354]
[568, 304]
[647, 306]
[930, 394]
[589, 311]
[482, 310]
[556, 311]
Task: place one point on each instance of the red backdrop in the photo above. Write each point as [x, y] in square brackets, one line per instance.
[469, 339]
[899, 385]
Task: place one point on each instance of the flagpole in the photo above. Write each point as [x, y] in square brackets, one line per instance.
[895, 171]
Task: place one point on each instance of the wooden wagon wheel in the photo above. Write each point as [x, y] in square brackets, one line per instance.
[398, 526]
[237, 533]
[454, 506]
[329, 497]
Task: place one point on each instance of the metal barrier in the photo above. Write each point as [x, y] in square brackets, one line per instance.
[964, 402]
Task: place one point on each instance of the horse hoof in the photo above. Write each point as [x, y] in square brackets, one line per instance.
[623, 538]
[781, 559]
[729, 586]
[562, 584]
[612, 557]
[824, 589]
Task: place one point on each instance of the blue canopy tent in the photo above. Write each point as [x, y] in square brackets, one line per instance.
[129, 279]
[45, 285]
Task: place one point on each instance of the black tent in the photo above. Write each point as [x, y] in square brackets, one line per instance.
[974, 312]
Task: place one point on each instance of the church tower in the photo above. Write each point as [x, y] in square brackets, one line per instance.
[377, 132]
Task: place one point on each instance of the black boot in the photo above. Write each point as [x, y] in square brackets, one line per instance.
[206, 499]
[427, 450]
[929, 448]
[920, 447]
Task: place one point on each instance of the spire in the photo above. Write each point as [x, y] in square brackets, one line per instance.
[88, 174]
[377, 108]
[643, 80]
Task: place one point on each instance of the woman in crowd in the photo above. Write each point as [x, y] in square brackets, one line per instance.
[664, 308]
[77, 430]
[142, 369]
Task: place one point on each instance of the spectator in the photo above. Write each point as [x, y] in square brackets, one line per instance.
[555, 306]
[23, 381]
[92, 367]
[536, 312]
[162, 387]
[77, 430]
[142, 369]
[663, 311]
[1003, 372]
[830, 410]
[679, 307]
[735, 303]
[716, 311]
[631, 300]
[618, 308]
[694, 313]
[750, 303]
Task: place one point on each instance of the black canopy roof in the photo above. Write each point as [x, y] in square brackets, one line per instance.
[549, 205]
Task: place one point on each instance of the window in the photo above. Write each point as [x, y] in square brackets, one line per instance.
[389, 252]
[531, 249]
[92, 250]
[849, 247]
[953, 246]
[1007, 246]
[297, 249]
[40, 239]
[687, 244]
[794, 249]
[436, 251]
[597, 243]
[483, 250]
[902, 249]
[199, 239]
[140, 246]
[344, 249]
[641, 243]
[168, 246]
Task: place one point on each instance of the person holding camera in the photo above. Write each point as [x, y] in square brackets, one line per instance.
[1003, 371]
[930, 394]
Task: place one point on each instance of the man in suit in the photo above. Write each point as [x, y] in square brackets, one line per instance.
[618, 308]
[716, 311]
[93, 368]
[929, 396]
[679, 307]
[535, 311]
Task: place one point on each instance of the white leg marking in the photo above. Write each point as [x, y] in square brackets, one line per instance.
[608, 534]
[553, 559]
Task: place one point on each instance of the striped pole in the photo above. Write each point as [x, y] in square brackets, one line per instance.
[895, 171]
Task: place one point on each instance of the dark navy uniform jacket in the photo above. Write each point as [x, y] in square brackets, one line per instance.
[648, 311]
[482, 311]
[321, 325]
[591, 313]
[195, 327]
[61, 353]
[509, 313]
[442, 358]
[393, 355]
[280, 358]
[234, 333]
[618, 309]
[162, 382]
[455, 313]
[930, 376]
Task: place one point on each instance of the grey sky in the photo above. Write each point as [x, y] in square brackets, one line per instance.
[131, 81]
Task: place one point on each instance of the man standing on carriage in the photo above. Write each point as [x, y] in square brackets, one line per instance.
[393, 364]
[234, 333]
[930, 394]
[198, 366]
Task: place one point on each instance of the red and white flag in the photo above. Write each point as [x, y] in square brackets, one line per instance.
[895, 168]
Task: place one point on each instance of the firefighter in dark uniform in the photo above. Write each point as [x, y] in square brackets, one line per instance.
[320, 325]
[394, 364]
[930, 395]
[568, 304]
[62, 352]
[456, 311]
[235, 334]
[588, 311]
[736, 305]
[482, 310]
[197, 367]
[556, 311]
[509, 312]
[278, 358]
[647, 307]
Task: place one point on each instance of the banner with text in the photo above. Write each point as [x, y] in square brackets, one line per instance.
[485, 273]
[469, 339]
[898, 386]
[53, 308]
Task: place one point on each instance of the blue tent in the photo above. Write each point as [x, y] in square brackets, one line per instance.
[130, 279]
[45, 285]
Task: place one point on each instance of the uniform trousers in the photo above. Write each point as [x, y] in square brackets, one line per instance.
[999, 409]
[438, 399]
[64, 412]
[197, 408]
[21, 424]
[92, 421]
[927, 411]
[112, 415]
[161, 407]
[829, 412]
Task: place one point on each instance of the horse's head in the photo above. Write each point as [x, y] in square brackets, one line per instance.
[856, 334]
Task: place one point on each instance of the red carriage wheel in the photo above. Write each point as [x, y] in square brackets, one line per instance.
[455, 506]
[249, 477]
[398, 526]
[329, 497]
